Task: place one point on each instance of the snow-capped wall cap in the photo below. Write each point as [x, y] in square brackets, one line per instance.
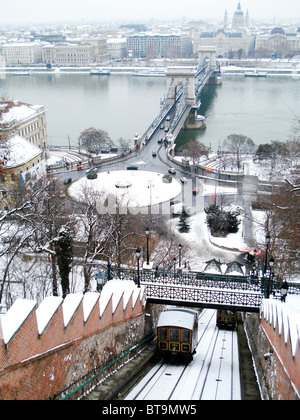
[46, 310]
[70, 306]
[89, 301]
[15, 317]
[285, 315]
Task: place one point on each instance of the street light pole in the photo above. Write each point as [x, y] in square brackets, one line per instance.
[147, 232]
[266, 286]
[180, 248]
[138, 254]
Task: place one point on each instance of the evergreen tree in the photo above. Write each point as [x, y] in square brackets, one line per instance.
[64, 255]
[221, 222]
[183, 225]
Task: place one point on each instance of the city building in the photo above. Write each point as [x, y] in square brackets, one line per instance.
[20, 162]
[277, 43]
[25, 120]
[116, 48]
[232, 41]
[67, 54]
[150, 45]
[22, 53]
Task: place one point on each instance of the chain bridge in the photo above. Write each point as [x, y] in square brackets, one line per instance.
[181, 102]
[198, 289]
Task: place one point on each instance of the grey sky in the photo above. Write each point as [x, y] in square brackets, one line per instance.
[38, 11]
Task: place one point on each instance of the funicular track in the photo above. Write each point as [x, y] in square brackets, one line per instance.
[213, 374]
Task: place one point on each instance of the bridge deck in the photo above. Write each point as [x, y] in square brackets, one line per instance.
[241, 293]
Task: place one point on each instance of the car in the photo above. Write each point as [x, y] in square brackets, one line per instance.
[91, 170]
[173, 201]
[195, 190]
[79, 167]
[67, 181]
[162, 126]
[183, 179]
[132, 167]
[168, 118]
[172, 171]
[154, 153]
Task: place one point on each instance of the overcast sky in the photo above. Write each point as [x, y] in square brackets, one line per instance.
[41, 11]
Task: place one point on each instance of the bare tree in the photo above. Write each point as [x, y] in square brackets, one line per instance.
[93, 140]
[240, 145]
[195, 150]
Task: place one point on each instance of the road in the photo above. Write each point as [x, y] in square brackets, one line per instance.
[212, 375]
[160, 164]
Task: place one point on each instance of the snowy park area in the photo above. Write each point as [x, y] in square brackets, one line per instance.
[138, 188]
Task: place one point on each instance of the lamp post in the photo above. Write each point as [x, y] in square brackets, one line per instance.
[268, 239]
[147, 232]
[270, 279]
[174, 261]
[100, 278]
[180, 248]
[138, 254]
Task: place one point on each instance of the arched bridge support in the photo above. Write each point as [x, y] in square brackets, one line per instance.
[177, 77]
[207, 53]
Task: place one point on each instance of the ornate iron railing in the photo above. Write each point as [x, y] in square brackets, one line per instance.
[203, 289]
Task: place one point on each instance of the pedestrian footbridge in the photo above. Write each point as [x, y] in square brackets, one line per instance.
[195, 289]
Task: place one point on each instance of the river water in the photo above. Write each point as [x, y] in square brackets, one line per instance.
[263, 109]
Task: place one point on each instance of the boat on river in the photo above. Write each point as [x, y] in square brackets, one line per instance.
[256, 73]
[99, 72]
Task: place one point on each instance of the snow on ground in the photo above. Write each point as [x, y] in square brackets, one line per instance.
[144, 187]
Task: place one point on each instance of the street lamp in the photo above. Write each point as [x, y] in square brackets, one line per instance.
[100, 278]
[180, 248]
[147, 232]
[174, 261]
[138, 254]
[268, 239]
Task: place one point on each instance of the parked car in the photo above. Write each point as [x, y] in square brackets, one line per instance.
[79, 167]
[132, 167]
[183, 179]
[154, 153]
[195, 190]
[172, 171]
[67, 181]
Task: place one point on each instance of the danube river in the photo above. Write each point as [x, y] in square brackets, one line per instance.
[263, 109]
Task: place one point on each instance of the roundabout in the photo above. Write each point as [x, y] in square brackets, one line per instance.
[138, 188]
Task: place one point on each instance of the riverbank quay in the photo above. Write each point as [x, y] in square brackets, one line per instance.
[277, 67]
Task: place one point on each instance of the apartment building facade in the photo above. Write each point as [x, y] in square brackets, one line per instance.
[150, 45]
[67, 54]
[22, 53]
[25, 120]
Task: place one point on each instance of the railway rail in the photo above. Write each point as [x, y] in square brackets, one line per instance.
[213, 374]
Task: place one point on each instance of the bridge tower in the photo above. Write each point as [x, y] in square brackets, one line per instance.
[208, 53]
[178, 77]
[205, 53]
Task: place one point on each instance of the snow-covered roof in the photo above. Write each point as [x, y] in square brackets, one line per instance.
[19, 151]
[177, 318]
[19, 111]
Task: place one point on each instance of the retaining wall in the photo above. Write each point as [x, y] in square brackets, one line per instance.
[274, 339]
[45, 348]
